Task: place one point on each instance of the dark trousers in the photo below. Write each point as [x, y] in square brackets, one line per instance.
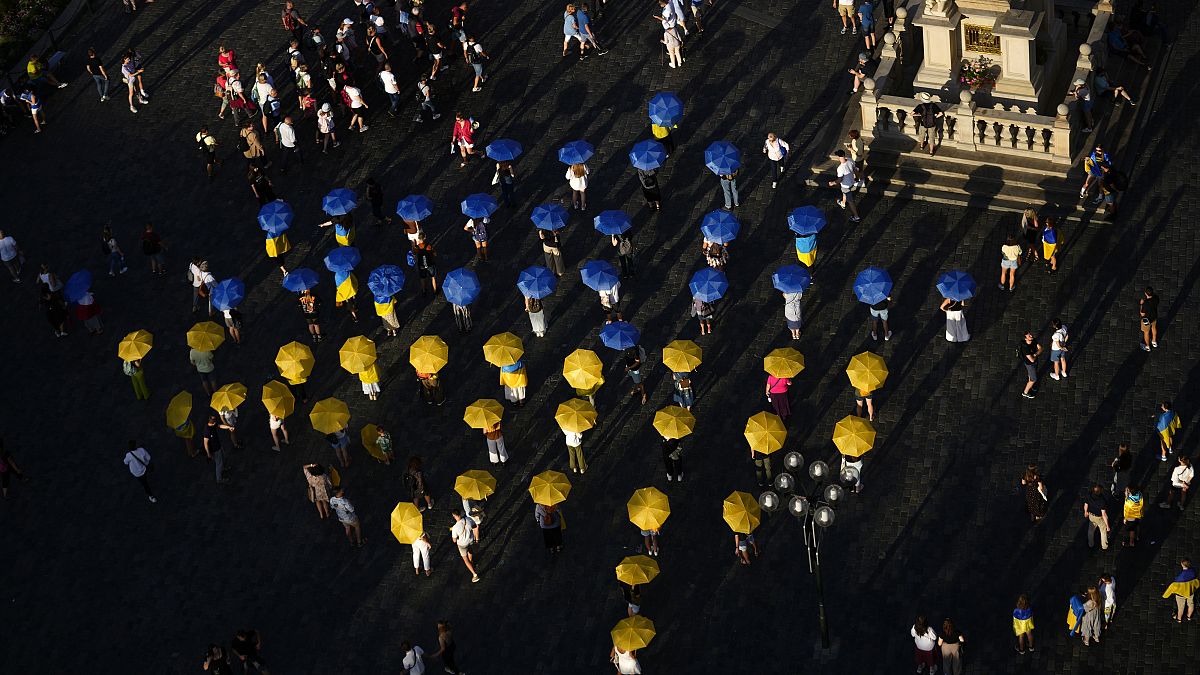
[144, 479]
[287, 154]
[627, 266]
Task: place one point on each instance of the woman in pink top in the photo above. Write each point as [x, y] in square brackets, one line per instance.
[462, 136]
[777, 394]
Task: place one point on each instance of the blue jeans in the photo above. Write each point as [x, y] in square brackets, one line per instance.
[395, 103]
[101, 85]
[729, 189]
[116, 263]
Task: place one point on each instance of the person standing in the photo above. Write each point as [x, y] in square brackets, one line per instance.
[1184, 590]
[552, 251]
[1029, 351]
[1058, 349]
[1010, 259]
[1023, 623]
[575, 451]
[319, 488]
[684, 396]
[1181, 482]
[633, 368]
[246, 644]
[1093, 609]
[743, 545]
[154, 248]
[879, 320]
[703, 311]
[1148, 315]
[951, 640]
[203, 362]
[776, 150]
[777, 395]
[112, 250]
[202, 284]
[137, 377]
[254, 152]
[956, 322]
[1050, 245]
[1036, 498]
[610, 302]
[216, 661]
[462, 139]
[1166, 423]
[674, 46]
[537, 315]
[577, 179]
[864, 398]
[137, 459]
[648, 179]
[414, 659]
[277, 427]
[339, 442]
[626, 662]
[845, 10]
[729, 189]
[348, 517]
[866, 18]
[1121, 465]
[929, 118]
[1095, 511]
[465, 533]
[845, 181]
[426, 259]
[414, 480]
[497, 453]
[383, 441]
[1108, 591]
[131, 72]
[95, 68]
[211, 440]
[1132, 512]
[326, 128]
[260, 185]
[625, 254]
[285, 139]
[549, 520]
[506, 178]
[924, 641]
[672, 458]
[12, 256]
[446, 646]
[478, 229]
[431, 388]
[293, 22]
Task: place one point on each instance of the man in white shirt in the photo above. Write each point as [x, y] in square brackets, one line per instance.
[1058, 350]
[388, 79]
[10, 255]
[414, 662]
[575, 451]
[285, 138]
[845, 179]
[138, 461]
[465, 533]
[776, 150]
[201, 277]
[845, 10]
[1181, 482]
[610, 300]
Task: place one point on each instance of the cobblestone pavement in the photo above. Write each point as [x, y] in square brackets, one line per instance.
[99, 580]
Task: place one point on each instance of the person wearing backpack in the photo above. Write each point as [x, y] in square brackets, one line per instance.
[1058, 350]
[1112, 181]
[140, 465]
[112, 251]
[418, 488]
[625, 253]
[292, 21]
[250, 145]
[703, 311]
[475, 56]
[207, 145]
[137, 376]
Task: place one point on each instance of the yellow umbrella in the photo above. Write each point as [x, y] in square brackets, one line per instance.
[502, 350]
[329, 415]
[765, 432]
[370, 440]
[682, 356]
[549, 488]
[205, 336]
[582, 368]
[674, 421]
[335, 478]
[741, 512]
[278, 399]
[295, 361]
[228, 397]
[135, 346]
[475, 484]
[783, 362]
[867, 371]
[357, 354]
[179, 409]
[575, 416]
[648, 508]
[632, 633]
[428, 354]
[853, 436]
[637, 569]
[407, 523]
[484, 413]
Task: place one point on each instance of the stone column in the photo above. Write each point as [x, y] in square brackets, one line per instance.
[939, 23]
[1020, 77]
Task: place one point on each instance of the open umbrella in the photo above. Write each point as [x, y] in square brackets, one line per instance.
[536, 281]
[575, 416]
[414, 207]
[648, 508]
[339, 202]
[722, 158]
[873, 285]
[205, 336]
[135, 346]
[228, 293]
[479, 205]
[228, 397]
[708, 284]
[791, 279]
[294, 360]
[599, 275]
[428, 354]
[720, 226]
[407, 523]
[582, 369]
[765, 432]
[741, 511]
[636, 570]
[665, 109]
[357, 354]
[342, 259]
[549, 488]
[806, 220]
[867, 371]
[484, 413]
[77, 286]
[783, 362]
[647, 155]
[503, 150]
[956, 285]
[619, 335]
[549, 217]
[385, 280]
[461, 286]
[576, 152]
[853, 436]
[369, 435]
[299, 279]
[682, 356]
[612, 222]
[275, 217]
[329, 415]
[278, 399]
[632, 633]
[179, 409]
[674, 421]
[503, 349]
[475, 484]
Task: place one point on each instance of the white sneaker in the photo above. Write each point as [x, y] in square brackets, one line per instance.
[153, 499]
[132, 109]
[670, 478]
[1054, 376]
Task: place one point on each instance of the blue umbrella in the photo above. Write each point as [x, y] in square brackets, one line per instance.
[536, 282]
[956, 285]
[806, 220]
[599, 275]
[613, 222]
[479, 205]
[722, 157]
[647, 155]
[720, 226]
[619, 335]
[339, 202]
[414, 207]
[665, 109]
[791, 279]
[300, 279]
[461, 286]
[275, 217]
[549, 217]
[504, 150]
[228, 293]
[386, 280]
[873, 285]
[576, 152]
[77, 286]
[708, 284]
[342, 259]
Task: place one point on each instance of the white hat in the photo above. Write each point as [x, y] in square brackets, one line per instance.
[1079, 82]
[924, 96]
[325, 107]
[347, 21]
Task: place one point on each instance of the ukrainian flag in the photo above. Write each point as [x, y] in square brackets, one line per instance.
[1022, 621]
[386, 307]
[806, 250]
[1049, 243]
[1167, 423]
[370, 375]
[1075, 614]
[344, 235]
[347, 285]
[277, 246]
[1185, 584]
[514, 376]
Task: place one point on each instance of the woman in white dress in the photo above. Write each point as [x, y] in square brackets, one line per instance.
[626, 662]
[956, 320]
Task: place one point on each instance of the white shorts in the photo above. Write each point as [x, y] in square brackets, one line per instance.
[413, 237]
[437, 57]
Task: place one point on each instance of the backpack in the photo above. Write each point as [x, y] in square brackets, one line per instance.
[472, 56]
[289, 21]
[127, 368]
[410, 481]
[243, 145]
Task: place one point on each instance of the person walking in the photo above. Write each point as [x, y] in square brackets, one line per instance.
[549, 520]
[506, 178]
[610, 302]
[1148, 317]
[1050, 243]
[864, 398]
[137, 377]
[866, 19]
[95, 68]
[216, 661]
[277, 427]
[777, 395]
[648, 180]
[475, 57]
[285, 139]
[845, 181]
[703, 311]
[846, 12]
[211, 440]
[1093, 609]
[431, 388]
[136, 458]
[131, 74]
[552, 251]
[673, 458]
[924, 641]
[12, 256]
[879, 320]
[951, 640]
[1183, 589]
[414, 659]
[1181, 482]
[358, 108]
[497, 453]
[339, 442]
[743, 546]
[426, 259]
[293, 22]
[537, 315]
[674, 46]
[625, 254]
[1029, 351]
[446, 645]
[575, 451]
[634, 357]
[776, 150]
[1010, 260]
[729, 188]
[414, 480]
[326, 128]
[420, 555]
[1132, 511]
[319, 488]
[203, 363]
[246, 644]
[1121, 464]
[425, 98]
[1166, 423]
[684, 396]
[154, 248]
[348, 517]
[252, 149]
[1023, 623]
[462, 139]
[577, 179]
[478, 229]
[310, 309]
[1108, 591]
[626, 662]
[465, 533]
[112, 250]
[956, 321]
[260, 185]
[1095, 512]
[1036, 497]
[1058, 349]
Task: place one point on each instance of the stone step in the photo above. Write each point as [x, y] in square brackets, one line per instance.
[953, 162]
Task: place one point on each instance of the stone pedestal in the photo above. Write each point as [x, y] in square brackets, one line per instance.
[943, 50]
[1020, 77]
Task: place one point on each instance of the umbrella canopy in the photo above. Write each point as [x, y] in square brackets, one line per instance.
[582, 369]
[549, 217]
[720, 226]
[647, 155]
[475, 484]
[228, 397]
[294, 360]
[386, 280]
[665, 109]
[275, 217]
[636, 570]
[576, 152]
[428, 354]
[228, 293]
[503, 349]
[504, 150]
[369, 435]
[722, 157]
[549, 488]
[484, 413]
[599, 275]
[575, 416]
[414, 207]
[357, 354]
[956, 285]
[783, 362]
[612, 222]
[674, 421]
[682, 356]
[853, 436]
[461, 286]
[299, 279]
[708, 284]
[179, 409]
[741, 511]
[278, 399]
[873, 285]
[867, 371]
[407, 523]
[342, 259]
[536, 282]
[791, 279]
[765, 432]
[339, 202]
[329, 415]
[619, 335]
[479, 205]
[806, 220]
[648, 508]
[135, 346]
[205, 336]
[77, 286]
[633, 633]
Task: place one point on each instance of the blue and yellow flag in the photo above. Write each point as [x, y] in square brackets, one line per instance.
[347, 285]
[1185, 584]
[277, 246]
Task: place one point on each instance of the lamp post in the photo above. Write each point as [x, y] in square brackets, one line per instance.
[814, 508]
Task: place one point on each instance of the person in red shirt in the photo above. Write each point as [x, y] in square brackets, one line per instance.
[462, 136]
